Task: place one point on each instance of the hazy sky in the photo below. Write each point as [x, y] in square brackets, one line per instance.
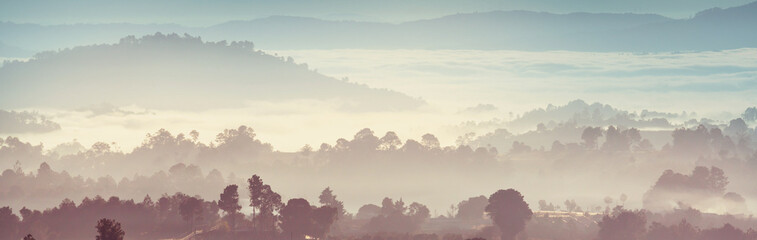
[203, 13]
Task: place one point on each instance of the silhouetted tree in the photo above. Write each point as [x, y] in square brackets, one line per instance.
[608, 201]
[229, 203]
[295, 217]
[623, 198]
[191, 210]
[368, 211]
[430, 141]
[737, 127]
[571, 206]
[390, 142]
[265, 201]
[255, 188]
[327, 198]
[590, 136]
[681, 231]
[394, 216]
[703, 182]
[750, 114]
[323, 217]
[519, 147]
[623, 225]
[620, 140]
[727, 232]
[147, 201]
[109, 229]
[8, 222]
[298, 218]
[543, 206]
[509, 212]
[472, 209]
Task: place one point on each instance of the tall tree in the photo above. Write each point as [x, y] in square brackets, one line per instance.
[191, 210]
[9, 222]
[295, 217]
[509, 212]
[229, 203]
[323, 217]
[327, 198]
[109, 229]
[255, 188]
[264, 200]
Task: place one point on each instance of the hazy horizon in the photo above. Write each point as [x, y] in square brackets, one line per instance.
[205, 14]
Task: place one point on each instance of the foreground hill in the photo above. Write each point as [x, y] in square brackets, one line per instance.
[173, 72]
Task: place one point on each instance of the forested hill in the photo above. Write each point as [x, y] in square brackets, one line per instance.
[179, 72]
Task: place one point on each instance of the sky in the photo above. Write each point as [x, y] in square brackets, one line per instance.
[205, 13]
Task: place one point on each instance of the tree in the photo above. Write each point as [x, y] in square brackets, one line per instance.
[723, 233]
[191, 210]
[394, 216]
[263, 199]
[295, 217]
[620, 140]
[543, 206]
[298, 218]
[8, 221]
[327, 198]
[109, 229]
[147, 201]
[256, 194]
[750, 114]
[368, 211]
[608, 201]
[472, 209]
[430, 141]
[623, 225]
[681, 231]
[390, 142]
[509, 212]
[737, 127]
[29, 237]
[323, 217]
[229, 203]
[590, 136]
[623, 198]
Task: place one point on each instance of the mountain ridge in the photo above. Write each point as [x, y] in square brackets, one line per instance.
[495, 30]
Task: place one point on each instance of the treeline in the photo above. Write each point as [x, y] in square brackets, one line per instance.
[703, 188]
[38, 189]
[180, 215]
[239, 147]
[143, 220]
[632, 225]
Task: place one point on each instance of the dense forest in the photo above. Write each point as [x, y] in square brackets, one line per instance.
[700, 175]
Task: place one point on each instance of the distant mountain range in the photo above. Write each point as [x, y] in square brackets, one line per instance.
[179, 72]
[713, 29]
